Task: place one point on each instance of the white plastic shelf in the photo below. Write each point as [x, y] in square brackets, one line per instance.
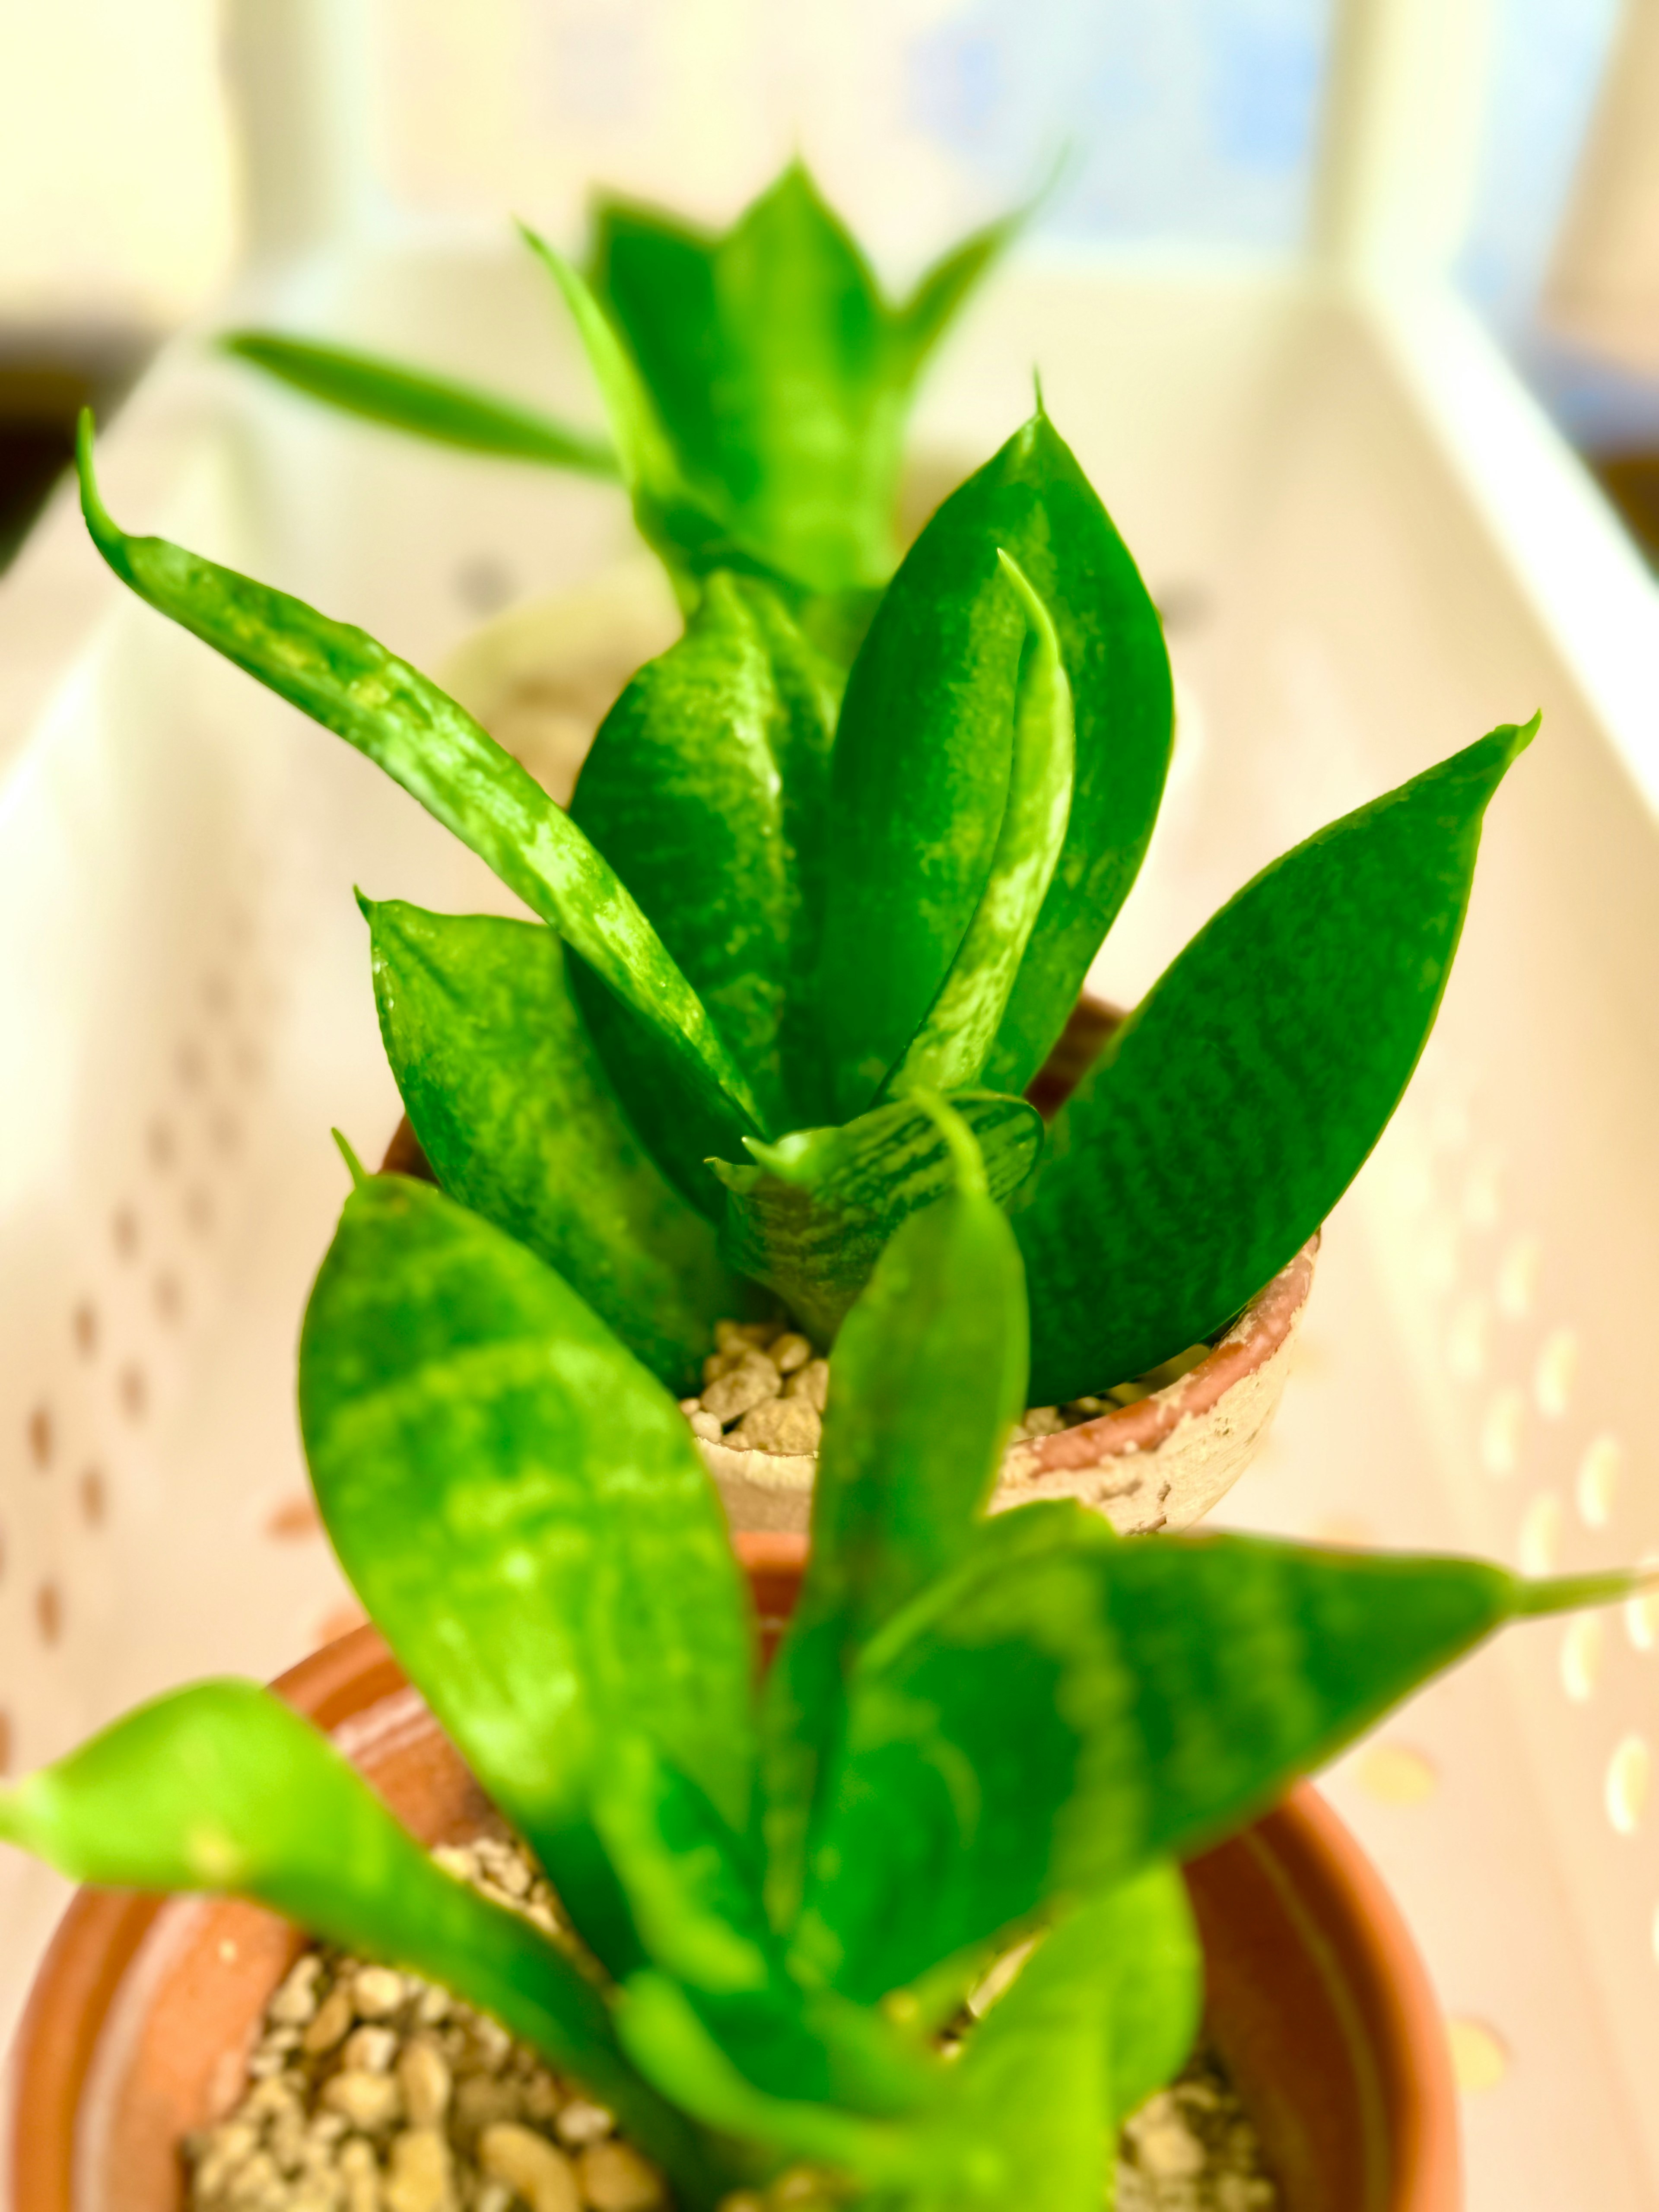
[1370, 551]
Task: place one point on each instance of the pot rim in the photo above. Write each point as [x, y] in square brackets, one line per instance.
[1317, 1873]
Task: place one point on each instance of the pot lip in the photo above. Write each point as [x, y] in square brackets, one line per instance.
[1262, 1329]
[1349, 1912]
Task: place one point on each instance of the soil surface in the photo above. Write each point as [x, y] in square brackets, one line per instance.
[765, 1387]
[371, 2091]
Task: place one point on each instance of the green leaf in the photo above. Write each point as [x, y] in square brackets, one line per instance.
[922, 757]
[954, 1041]
[655, 275]
[811, 1217]
[695, 1897]
[401, 721]
[1145, 1947]
[426, 406]
[524, 1513]
[928, 1375]
[814, 418]
[514, 1112]
[1102, 2014]
[1028, 2115]
[942, 290]
[691, 531]
[220, 1787]
[705, 790]
[1228, 1115]
[667, 2039]
[1043, 1724]
[780, 373]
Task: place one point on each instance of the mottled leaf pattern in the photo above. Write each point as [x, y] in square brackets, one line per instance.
[343, 679]
[220, 1787]
[1228, 1115]
[811, 1218]
[523, 1511]
[923, 750]
[705, 791]
[519, 1121]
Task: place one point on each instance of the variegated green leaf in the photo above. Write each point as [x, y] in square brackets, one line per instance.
[426, 406]
[220, 1787]
[949, 1049]
[811, 1218]
[1227, 1115]
[514, 1112]
[523, 1511]
[705, 790]
[927, 1377]
[920, 776]
[1115, 1703]
[401, 721]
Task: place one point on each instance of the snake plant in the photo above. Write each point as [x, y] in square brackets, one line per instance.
[977, 1732]
[757, 383]
[779, 908]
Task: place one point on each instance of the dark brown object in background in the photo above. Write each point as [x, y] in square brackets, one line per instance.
[1631, 483]
[45, 382]
[1317, 2000]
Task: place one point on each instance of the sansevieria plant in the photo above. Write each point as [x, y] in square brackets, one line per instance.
[977, 1734]
[757, 383]
[778, 909]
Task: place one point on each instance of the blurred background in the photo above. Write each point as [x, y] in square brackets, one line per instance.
[138, 147]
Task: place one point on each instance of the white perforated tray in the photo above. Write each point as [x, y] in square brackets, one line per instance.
[1370, 551]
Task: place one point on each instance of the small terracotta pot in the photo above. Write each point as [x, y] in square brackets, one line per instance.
[145, 2008]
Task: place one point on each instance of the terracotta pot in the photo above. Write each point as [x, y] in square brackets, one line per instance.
[144, 2009]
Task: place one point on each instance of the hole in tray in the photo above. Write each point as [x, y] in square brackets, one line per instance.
[124, 1228]
[1555, 1373]
[83, 1326]
[134, 1392]
[161, 1145]
[169, 1296]
[484, 584]
[218, 992]
[1626, 1790]
[1597, 1485]
[1479, 2056]
[49, 1612]
[189, 1064]
[1500, 1432]
[39, 1433]
[94, 1503]
[1582, 1645]
[1396, 1774]
[1517, 1277]
[199, 1209]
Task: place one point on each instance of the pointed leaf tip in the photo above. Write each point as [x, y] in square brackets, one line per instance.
[106, 532]
[359, 1172]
